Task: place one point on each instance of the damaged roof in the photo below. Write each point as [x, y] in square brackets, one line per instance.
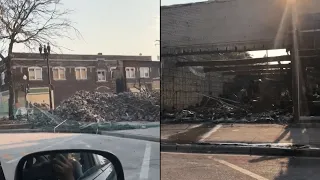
[195, 3]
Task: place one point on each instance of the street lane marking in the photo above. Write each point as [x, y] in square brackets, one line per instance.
[144, 173]
[208, 134]
[83, 143]
[57, 143]
[244, 171]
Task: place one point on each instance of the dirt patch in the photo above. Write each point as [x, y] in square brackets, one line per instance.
[192, 135]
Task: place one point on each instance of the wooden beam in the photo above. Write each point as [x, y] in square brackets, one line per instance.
[233, 62]
[246, 67]
[253, 72]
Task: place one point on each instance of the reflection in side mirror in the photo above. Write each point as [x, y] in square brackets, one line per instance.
[69, 165]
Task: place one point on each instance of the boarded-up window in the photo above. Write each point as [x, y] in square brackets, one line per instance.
[81, 73]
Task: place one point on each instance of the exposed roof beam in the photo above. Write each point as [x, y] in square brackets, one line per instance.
[246, 67]
[233, 62]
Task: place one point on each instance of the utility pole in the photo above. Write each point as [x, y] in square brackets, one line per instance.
[46, 53]
[295, 64]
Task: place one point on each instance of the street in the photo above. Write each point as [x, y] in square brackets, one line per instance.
[140, 159]
[240, 167]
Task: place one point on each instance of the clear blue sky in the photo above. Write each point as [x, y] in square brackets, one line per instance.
[124, 27]
[254, 54]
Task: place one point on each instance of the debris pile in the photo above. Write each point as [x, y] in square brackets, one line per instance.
[219, 110]
[86, 106]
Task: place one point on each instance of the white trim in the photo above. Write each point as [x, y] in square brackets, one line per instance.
[39, 88]
[81, 78]
[134, 72]
[310, 30]
[144, 72]
[3, 78]
[59, 67]
[35, 67]
[38, 93]
[105, 75]
[111, 69]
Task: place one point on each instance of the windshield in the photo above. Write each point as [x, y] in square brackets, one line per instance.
[239, 88]
[81, 76]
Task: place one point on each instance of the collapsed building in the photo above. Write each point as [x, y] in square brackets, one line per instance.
[205, 61]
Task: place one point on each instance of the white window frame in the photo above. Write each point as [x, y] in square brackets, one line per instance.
[131, 75]
[80, 68]
[59, 78]
[3, 77]
[111, 71]
[35, 74]
[105, 75]
[143, 72]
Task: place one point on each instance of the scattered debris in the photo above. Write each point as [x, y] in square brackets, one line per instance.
[216, 109]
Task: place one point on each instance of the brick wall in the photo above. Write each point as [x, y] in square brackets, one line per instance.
[65, 88]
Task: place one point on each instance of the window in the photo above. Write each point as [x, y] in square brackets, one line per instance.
[35, 73]
[81, 73]
[144, 72]
[130, 72]
[112, 69]
[101, 75]
[2, 78]
[59, 73]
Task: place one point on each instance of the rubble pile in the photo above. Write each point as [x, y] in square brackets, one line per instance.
[221, 111]
[86, 106]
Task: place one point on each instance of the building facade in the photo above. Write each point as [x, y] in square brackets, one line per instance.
[70, 73]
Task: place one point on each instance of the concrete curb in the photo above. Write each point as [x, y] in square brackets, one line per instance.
[20, 130]
[234, 149]
[131, 136]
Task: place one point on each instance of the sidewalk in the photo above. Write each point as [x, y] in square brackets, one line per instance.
[263, 134]
[149, 134]
[245, 133]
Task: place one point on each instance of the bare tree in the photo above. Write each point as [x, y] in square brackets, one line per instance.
[30, 22]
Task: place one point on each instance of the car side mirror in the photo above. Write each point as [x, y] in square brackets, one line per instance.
[2, 177]
[73, 164]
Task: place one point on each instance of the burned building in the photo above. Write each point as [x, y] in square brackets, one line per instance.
[204, 51]
[71, 73]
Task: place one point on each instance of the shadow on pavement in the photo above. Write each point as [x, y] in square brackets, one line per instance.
[297, 167]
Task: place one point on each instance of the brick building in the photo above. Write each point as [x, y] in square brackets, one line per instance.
[70, 73]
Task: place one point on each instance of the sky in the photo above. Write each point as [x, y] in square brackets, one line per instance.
[254, 54]
[113, 27]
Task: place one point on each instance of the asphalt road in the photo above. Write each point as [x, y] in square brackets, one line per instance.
[239, 167]
[140, 159]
